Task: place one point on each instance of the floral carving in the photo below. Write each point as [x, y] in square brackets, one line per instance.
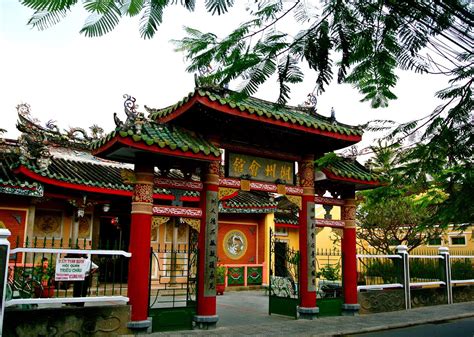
[307, 173]
[143, 193]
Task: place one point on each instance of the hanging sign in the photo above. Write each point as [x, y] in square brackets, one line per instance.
[71, 269]
[259, 168]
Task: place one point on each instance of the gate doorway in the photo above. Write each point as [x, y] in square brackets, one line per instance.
[284, 275]
[173, 284]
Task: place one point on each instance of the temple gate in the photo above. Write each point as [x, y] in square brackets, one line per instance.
[262, 143]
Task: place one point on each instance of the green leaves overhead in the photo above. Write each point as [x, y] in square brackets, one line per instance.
[218, 6]
[152, 17]
[106, 14]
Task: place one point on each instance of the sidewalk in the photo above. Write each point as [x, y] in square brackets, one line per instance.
[245, 313]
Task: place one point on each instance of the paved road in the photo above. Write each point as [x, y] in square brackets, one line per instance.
[456, 328]
[245, 314]
[245, 307]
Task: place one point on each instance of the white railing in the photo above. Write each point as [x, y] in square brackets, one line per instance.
[65, 298]
[406, 283]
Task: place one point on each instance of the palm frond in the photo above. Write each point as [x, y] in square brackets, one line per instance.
[219, 6]
[42, 20]
[100, 23]
[152, 17]
[50, 5]
[131, 7]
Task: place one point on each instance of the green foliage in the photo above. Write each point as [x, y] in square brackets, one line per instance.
[106, 14]
[44, 274]
[390, 271]
[398, 212]
[326, 160]
[385, 269]
[330, 272]
[363, 41]
[462, 269]
[221, 273]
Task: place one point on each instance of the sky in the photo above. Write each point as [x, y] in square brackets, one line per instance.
[79, 81]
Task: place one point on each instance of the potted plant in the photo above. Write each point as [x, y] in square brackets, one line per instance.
[44, 275]
[221, 272]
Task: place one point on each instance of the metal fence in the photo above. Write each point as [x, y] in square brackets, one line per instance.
[50, 271]
[410, 271]
[173, 275]
[328, 273]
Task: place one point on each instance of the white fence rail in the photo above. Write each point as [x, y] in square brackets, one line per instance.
[15, 289]
[441, 263]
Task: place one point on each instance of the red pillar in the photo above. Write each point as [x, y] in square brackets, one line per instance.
[140, 237]
[307, 241]
[206, 317]
[349, 256]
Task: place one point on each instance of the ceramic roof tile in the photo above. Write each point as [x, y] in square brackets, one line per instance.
[255, 106]
[12, 184]
[88, 173]
[248, 202]
[163, 136]
[286, 218]
[347, 168]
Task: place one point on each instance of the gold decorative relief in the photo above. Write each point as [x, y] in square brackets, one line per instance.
[47, 223]
[193, 223]
[225, 192]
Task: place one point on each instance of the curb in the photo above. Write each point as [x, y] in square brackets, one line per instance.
[398, 325]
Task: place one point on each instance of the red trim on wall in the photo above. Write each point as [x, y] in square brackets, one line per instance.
[286, 225]
[328, 201]
[236, 112]
[332, 176]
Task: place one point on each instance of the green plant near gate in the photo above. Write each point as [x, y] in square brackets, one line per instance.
[330, 272]
[462, 270]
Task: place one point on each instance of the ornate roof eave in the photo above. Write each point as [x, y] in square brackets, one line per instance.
[26, 189]
[107, 147]
[246, 210]
[322, 128]
[359, 184]
[128, 192]
[140, 134]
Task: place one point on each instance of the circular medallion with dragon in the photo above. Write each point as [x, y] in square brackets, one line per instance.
[235, 244]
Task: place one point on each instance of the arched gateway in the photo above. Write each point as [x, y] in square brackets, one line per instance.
[260, 144]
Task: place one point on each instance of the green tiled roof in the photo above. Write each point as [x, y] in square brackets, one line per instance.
[261, 108]
[286, 218]
[347, 168]
[248, 202]
[88, 174]
[12, 184]
[163, 136]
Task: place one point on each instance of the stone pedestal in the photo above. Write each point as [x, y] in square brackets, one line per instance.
[307, 313]
[206, 322]
[350, 309]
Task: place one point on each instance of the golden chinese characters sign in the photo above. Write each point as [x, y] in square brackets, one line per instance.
[258, 168]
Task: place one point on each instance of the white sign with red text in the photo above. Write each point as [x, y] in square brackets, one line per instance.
[71, 269]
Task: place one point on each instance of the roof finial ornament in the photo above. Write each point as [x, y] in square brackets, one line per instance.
[135, 119]
[24, 109]
[311, 100]
[333, 115]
